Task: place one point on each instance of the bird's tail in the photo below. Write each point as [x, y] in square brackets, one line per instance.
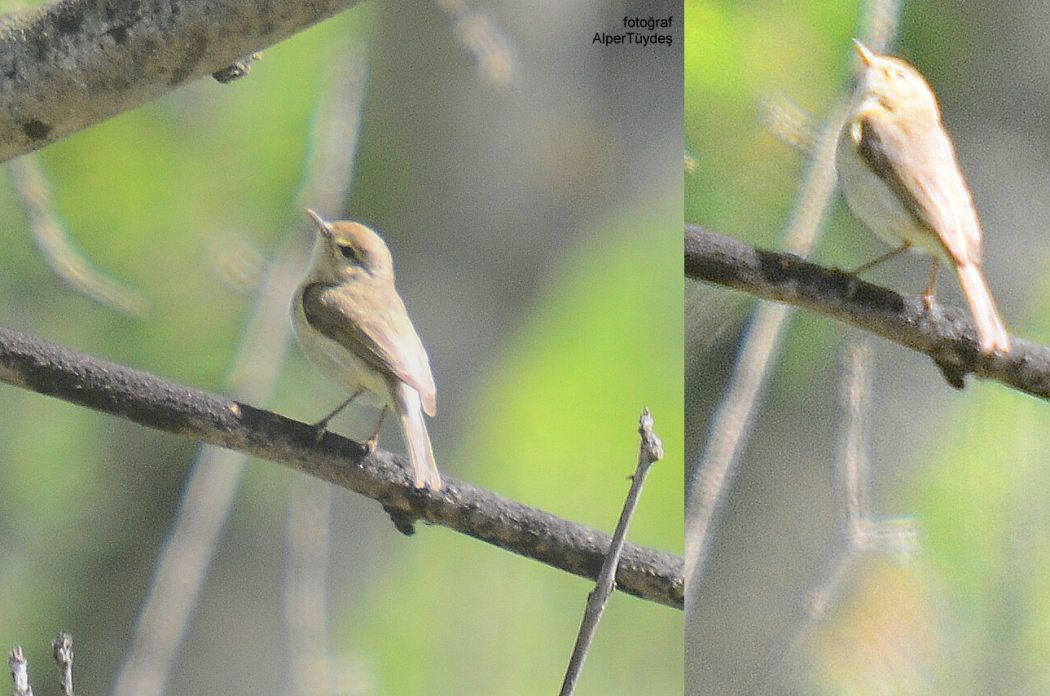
[410, 411]
[991, 334]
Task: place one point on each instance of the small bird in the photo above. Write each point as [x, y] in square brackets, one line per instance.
[900, 176]
[351, 322]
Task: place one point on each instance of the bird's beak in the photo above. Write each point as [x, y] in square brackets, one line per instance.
[321, 223]
[865, 53]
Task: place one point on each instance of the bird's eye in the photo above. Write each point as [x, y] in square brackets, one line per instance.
[349, 253]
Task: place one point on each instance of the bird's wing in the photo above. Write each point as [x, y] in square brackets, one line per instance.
[385, 339]
[918, 163]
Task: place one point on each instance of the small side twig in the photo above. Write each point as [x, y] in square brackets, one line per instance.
[16, 660]
[236, 70]
[651, 450]
[790, 124]
[62, 649]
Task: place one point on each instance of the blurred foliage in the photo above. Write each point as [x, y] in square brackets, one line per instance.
[87, 497]
[736, 55]
[587, 332]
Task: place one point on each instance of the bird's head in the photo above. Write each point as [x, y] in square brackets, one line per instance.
[347, 250]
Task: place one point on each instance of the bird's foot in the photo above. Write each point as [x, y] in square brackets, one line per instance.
[320, 428]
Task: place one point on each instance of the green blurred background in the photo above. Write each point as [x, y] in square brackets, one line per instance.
[969, 613]
[535, 232]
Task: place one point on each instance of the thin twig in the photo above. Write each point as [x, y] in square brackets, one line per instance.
[62, 650]
[852, 465]
[16, 660]
[853, 454]
[52, 239]
[213, 481]
[651, 450]
[946, 334]
[143, 398]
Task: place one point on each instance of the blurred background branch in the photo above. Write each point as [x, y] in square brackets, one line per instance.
[214, 478]
[707, 478]
[306, 589]
[121, 55]
[946, 334]
[51, 238]
[157, 403]
[861, 531]
[493, 58]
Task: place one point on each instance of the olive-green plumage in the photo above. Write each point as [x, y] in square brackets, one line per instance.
[351, 322]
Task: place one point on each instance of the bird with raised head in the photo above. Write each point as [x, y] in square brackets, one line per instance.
[351, 322]
[901, 177]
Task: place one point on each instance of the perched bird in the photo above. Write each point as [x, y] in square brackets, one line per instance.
[351, 323]
[900, 176]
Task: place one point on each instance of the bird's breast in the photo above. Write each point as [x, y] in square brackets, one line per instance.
[876, 204]
[338, 363]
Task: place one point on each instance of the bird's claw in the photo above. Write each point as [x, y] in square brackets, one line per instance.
[371, 443]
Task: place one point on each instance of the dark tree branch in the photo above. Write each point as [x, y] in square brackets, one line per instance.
[946, 334]
[72, 63]
[148, 400]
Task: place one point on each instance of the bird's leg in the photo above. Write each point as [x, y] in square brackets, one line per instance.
[927, 297]
[322, 425]
[875, 262]
[373, 440]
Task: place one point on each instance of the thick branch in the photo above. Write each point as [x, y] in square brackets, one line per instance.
[157, 403]
[946, 334]
[72, 63]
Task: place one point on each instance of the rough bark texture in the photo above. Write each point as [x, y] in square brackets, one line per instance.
[946, 334]
[69, 64]
[51, 369]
